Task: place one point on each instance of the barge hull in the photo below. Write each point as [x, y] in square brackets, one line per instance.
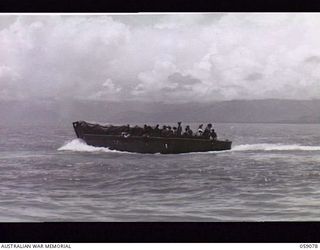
[151, 145]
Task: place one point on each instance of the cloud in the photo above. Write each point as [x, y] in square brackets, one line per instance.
[312, 59]
[182, 79]
[253, 77]
[169, 58]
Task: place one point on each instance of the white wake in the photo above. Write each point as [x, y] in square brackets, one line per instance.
[77, 145]
[274, 147]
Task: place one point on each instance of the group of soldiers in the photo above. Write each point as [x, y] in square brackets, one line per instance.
[168, 131]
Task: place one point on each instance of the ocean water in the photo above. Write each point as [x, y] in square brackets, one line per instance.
[272, 173]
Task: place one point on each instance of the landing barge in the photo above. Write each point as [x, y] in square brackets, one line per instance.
[97, 135]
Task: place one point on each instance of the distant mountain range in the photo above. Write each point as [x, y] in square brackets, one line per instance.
[235, 111]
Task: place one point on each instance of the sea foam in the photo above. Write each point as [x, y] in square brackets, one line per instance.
[274, 147]
[78, 145]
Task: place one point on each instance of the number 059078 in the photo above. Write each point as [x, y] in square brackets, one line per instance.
[308, 246]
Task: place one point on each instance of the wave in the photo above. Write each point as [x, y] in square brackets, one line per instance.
[78, 145]
[274, 147]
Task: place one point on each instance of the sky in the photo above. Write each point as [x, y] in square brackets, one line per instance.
[171, 58]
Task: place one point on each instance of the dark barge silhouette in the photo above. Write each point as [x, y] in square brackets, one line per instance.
[97, 135]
